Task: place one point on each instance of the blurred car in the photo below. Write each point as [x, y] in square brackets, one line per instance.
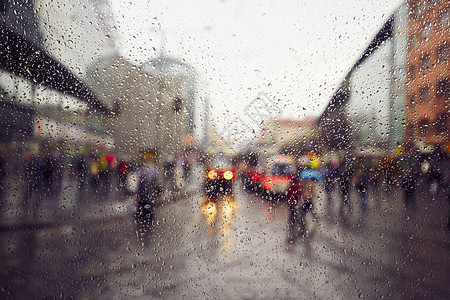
[252, 175]
[280, 171]
[253, 179]
[256, 180]
[219, 175]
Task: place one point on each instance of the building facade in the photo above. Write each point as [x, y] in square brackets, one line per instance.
[287, 136]
[45, 98]
[152, 104]
[175, 94]
[428, 88]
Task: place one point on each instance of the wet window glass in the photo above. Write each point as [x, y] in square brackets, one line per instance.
[224, 149]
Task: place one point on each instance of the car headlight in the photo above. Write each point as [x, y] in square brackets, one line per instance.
[212, 175]
[228, 175]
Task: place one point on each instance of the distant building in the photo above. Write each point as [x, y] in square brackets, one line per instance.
[176, 92]
[130, 91]
[428, 88]
[152, 104]
[286, 135]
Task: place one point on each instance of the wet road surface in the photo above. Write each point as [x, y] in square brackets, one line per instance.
[236, 247]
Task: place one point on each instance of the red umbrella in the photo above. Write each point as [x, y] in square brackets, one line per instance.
[110, 158]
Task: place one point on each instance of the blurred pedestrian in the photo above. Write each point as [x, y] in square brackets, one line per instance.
[308, 217]
[330, 172]
[344, 187]
[149, 190]
[94, 171]
[307, 188]
[437, 167]
[293, 201]
[345, 174]
[81, 171]
[178, 179]
[409, 187]
[32, 174]
[81, 174]
[362, 185]
[186, 168]
[103, 169]
[169, 172]
[58, 176]
[123, 169]
[48, 172]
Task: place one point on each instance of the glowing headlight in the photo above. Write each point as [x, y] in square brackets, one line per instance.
[212, 174]
[228, 175]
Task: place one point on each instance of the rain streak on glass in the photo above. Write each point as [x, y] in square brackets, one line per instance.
[224, 149]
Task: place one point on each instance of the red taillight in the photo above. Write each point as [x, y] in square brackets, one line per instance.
[257, 177]
[268, 185]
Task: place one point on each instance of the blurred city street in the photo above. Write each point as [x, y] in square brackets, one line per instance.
[224, 149]
[233, 246]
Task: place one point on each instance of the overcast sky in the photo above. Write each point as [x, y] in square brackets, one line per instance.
[296, 52]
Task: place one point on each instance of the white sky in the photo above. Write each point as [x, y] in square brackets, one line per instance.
[296, 52]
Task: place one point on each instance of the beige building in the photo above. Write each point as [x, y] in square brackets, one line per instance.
[151, 111]
[282, 135]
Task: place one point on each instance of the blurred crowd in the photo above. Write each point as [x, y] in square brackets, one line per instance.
[350, 182]
[48, 172]
[37, 179]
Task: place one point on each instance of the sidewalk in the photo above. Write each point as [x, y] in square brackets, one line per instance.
[90, 203]
[44, 208]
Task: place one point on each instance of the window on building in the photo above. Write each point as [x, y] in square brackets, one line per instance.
[426, 30]
[444, 52]
[177, 104]
[416, 11]
[424, 127]
[425, 61]
[412, 100]
[3, 6]
[410, 130]
[432, 4]
[444, 17]
[443, 88]
[424, 94]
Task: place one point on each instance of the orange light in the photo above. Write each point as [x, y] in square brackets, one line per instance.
[268, 185]
[212, 174]
[228, 175]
